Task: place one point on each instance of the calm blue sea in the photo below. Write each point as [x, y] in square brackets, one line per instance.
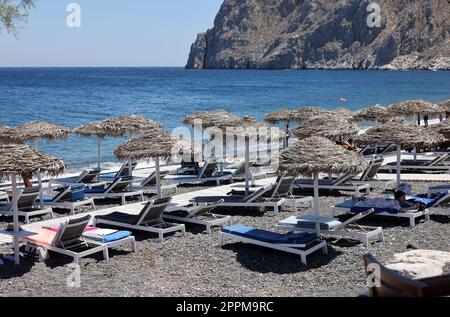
[73, 96]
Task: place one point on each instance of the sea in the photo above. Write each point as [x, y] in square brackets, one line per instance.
[74, 96]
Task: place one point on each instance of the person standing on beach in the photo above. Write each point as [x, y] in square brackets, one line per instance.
[288, 135]
[441, 118]
[425, 119]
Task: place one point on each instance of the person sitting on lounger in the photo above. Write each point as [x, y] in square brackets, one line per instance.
[349, 145]
[403, 205]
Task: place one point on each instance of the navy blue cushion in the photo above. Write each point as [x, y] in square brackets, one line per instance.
[98, 190]
[268, 236]
[377, 210]
[77, 195]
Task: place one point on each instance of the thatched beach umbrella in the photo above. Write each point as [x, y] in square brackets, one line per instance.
[208, 119]
[328, 126]
[307, 113]
[400, 133]
[375, 113]
[154, 144]
[414, 107]
[211, 118]
[283, 115]
[445, 105]
[315, 155]
[344, 113]
[442, 128]
[20, 159]
[35, 130]
[248, 128]
[115, 127]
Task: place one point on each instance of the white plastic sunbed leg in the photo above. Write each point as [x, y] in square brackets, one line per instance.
[325, 249]
[221, 240]
[381, 237]
[93, 205]
[183, 231]
[208, 229]
[412, 222]
[161, 237]
[124, 200]
[303, 259]
[72, 210]
[133, 246]
[427, 217]
[106, 254]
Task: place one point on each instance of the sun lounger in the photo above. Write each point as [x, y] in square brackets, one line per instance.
[148, 184]
[149, 219]
[348, 206]
[69, 198]
[88, 177]
[332, 227]
[392, 284]
[116, 189]
[239, 172]
[4, 196]
[438, 164]
[370, 176]
[26, 204]
[254, 200]
[122, 172]
[301, 244]
[207, 174]
[70, 239]
[344, 183]
[200, 215]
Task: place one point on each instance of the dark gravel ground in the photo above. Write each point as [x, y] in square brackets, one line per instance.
[196, 266]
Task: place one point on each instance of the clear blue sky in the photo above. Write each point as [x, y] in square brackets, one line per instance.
[112, 33]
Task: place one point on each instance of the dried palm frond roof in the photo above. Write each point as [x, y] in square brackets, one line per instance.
[328, 126]
[410, 107]
[154, 143]
[282, 115]
[21, 159]
[400, 132]
[319, 155]
[445, 105]
[212, 118]
[4, 131]
[344, 113]
[373, 113]
[34, 130]
[117, 126]
[442, 128]
[307, 113]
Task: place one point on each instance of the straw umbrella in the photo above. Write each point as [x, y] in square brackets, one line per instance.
[4, 130]
[344, 113]
[153, 144]
[19, 159]
[328, 126]
[375, 113]
[445, 105]
[315, 155]
[283, 115]
[247, 128]
[209, 119]
[414, 107]
[115, 127]
[307, 113]
[402, 134]
[33, 131]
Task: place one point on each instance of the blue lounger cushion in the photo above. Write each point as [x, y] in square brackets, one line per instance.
[77, 195]
[348, 204]
[119, 235]
[48, 199]
[98, 190]
[270, 237]
[309, 222]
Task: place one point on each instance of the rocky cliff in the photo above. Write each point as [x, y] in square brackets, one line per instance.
[326, 34]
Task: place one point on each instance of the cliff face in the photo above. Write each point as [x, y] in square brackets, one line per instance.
[331, 34]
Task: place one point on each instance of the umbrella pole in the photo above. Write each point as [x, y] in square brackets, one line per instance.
[286, 141]
[399, 159]
[158, 179]
[99, 154]
[15, 219]
[130, 162]
[316, 202]
[41, 196]
[247, 163]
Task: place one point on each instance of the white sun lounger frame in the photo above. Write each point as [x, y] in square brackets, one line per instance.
[320, 245]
